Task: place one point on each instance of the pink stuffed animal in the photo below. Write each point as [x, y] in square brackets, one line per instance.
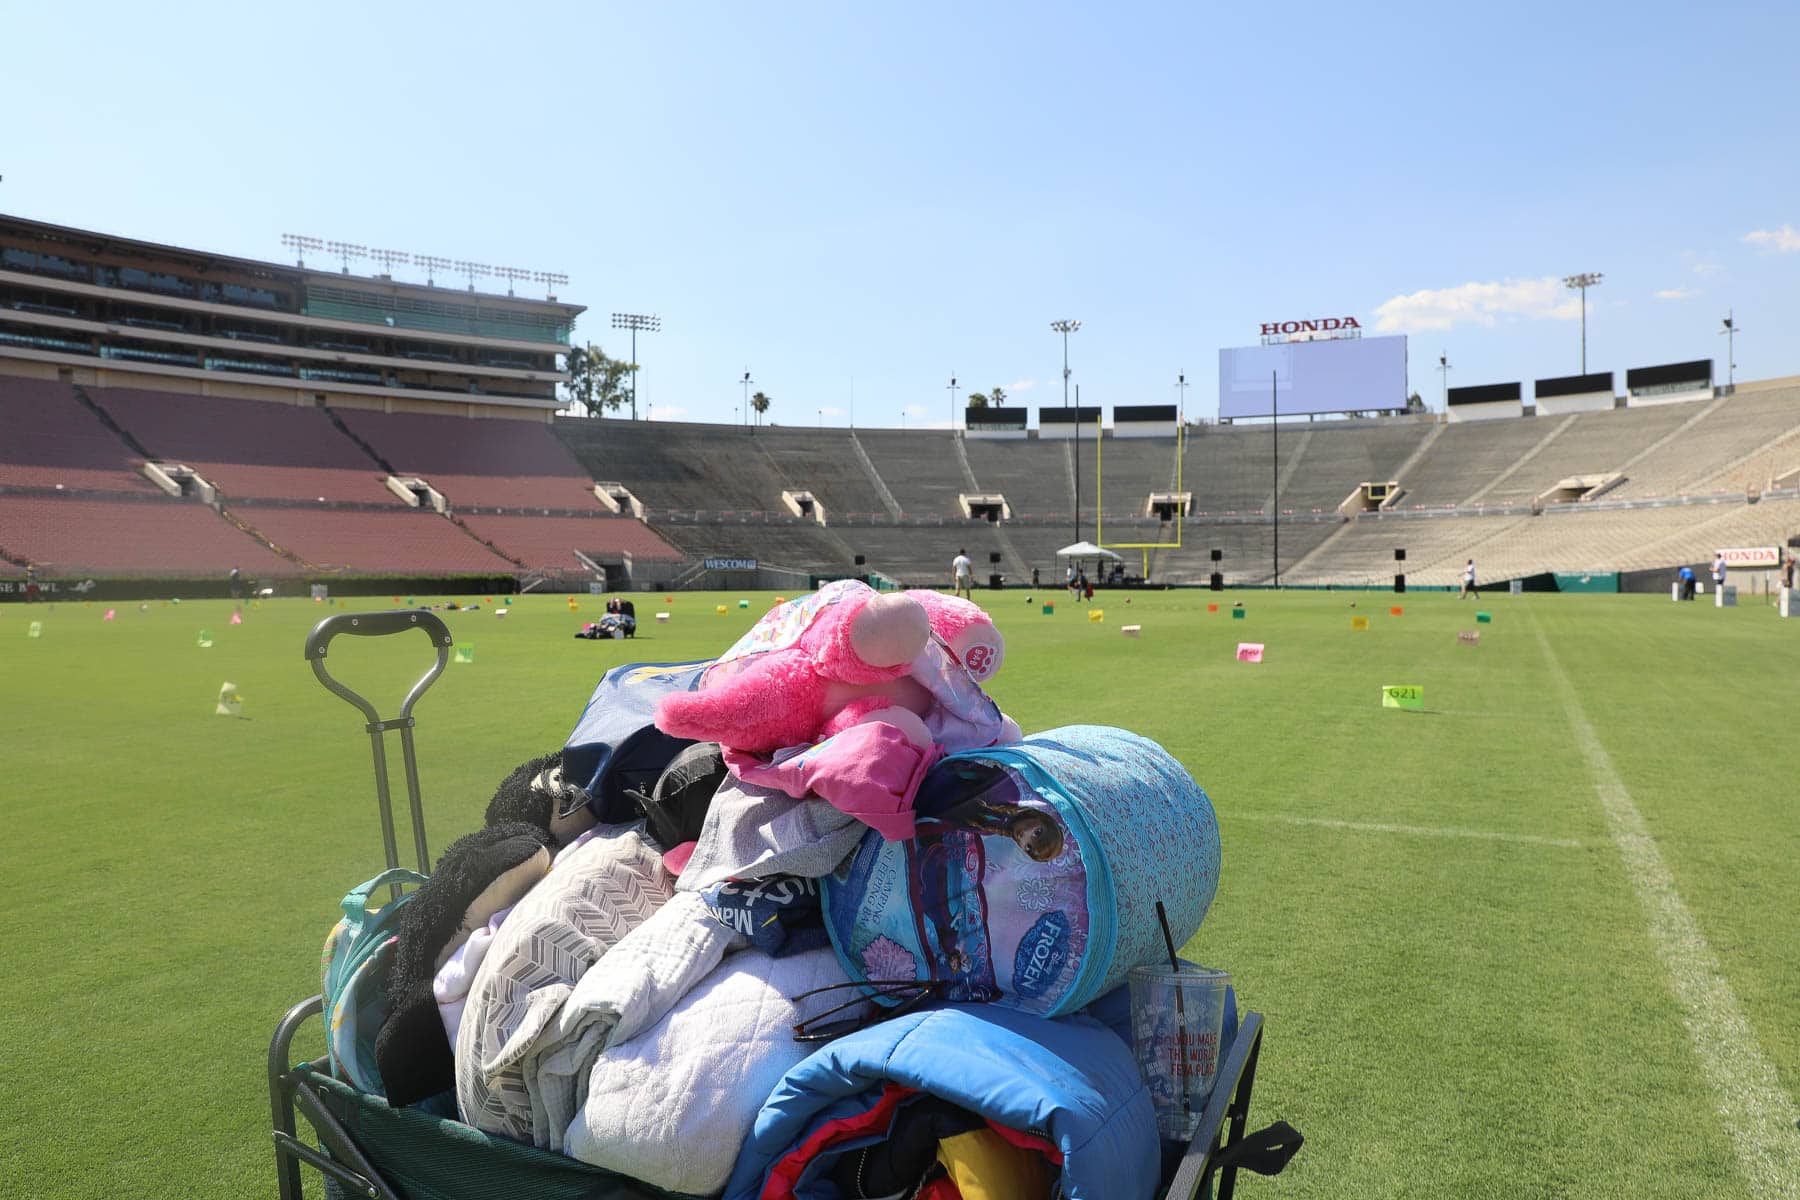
[846, 655]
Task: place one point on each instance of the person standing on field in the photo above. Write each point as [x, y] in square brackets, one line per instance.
[1718, 573]
[1468, 581]
[963, 574]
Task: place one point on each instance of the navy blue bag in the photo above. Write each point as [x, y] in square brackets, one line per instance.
[616, 745]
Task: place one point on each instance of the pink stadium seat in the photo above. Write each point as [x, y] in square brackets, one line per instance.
[551, 542]
[250, 448]
[486, 463]
[371, 541]
[166, 537]
[50, 439]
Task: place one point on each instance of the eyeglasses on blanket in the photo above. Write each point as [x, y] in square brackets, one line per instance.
[912, 993]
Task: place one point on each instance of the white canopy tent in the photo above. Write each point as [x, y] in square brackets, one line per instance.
[1081, 550]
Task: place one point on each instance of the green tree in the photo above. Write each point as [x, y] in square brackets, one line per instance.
[597, 382]
[1415, 403]
[760, 403]
[995, 397]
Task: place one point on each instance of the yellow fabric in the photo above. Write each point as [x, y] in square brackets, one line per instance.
[985, 1166]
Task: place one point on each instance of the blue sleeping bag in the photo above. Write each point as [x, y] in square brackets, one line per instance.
[1034, 876]
[1069, 1082]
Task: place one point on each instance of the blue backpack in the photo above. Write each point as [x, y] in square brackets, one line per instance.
[1034, 876]
[354, 964]
[616, 745]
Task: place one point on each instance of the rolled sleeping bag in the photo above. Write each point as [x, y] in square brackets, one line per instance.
[1034, 878]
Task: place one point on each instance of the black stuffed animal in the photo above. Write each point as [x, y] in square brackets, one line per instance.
[537, 793]
[533, 813]
[479, 875]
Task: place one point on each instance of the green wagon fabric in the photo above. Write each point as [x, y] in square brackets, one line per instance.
[426, 1157]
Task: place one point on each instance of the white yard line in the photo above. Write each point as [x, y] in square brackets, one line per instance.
[1486, 835]
[1757, 1114]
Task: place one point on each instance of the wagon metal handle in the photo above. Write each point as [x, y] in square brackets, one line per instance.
[380, 624]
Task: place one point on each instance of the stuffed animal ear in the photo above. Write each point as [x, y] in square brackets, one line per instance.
[890, 630]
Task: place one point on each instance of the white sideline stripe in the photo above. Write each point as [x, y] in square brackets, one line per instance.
[1747, 1094]
[1485, 835]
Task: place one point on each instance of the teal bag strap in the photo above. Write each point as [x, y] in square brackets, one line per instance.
[356, 903]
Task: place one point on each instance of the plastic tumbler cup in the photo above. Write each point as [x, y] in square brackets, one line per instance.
[1176, 1020]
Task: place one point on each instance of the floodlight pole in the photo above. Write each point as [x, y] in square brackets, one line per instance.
[1730, 330]
[1275, 469]
[952, 405]
[1582, 283]
[635, 322]
[1181, 386]
[1444, 369]
[746, 383]
[1066, 326]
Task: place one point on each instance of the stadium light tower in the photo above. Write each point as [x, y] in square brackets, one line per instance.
[1444, 369]
[551, 281]
[952, 390]
[346, 251]
[510, 274]
[300, 244]
[388, 259]
[1065, 327]
[635, 322]
[1582, 283]
[1730, 330]
[472, 270]
[432, 264]
[746, 381]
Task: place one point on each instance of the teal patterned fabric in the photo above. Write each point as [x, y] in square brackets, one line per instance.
[966, 904]
[1156, 829]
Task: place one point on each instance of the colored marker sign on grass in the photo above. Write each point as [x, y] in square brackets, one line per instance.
[1408, 695]
[1250, 652]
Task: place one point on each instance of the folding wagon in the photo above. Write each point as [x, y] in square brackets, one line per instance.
[364, 1147]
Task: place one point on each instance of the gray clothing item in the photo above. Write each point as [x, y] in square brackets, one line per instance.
[754, 832]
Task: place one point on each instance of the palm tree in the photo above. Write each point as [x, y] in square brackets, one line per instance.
[994, 396]
[760, 403]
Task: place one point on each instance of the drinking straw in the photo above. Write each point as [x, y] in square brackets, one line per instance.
[1181, 1047]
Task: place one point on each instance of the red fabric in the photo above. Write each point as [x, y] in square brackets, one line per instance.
[786, 1173]
[941, 1188]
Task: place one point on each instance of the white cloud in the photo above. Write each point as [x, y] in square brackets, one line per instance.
[1478, 304]
[1785, 240]
[667, 412]
[1676, 293]
[1020, 385]
[829, 411]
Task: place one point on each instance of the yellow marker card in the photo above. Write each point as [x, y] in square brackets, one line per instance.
[1403, 696]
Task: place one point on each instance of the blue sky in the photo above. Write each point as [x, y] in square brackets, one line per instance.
[855, 202]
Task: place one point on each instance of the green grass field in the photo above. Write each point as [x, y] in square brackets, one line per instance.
[1466, 994]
